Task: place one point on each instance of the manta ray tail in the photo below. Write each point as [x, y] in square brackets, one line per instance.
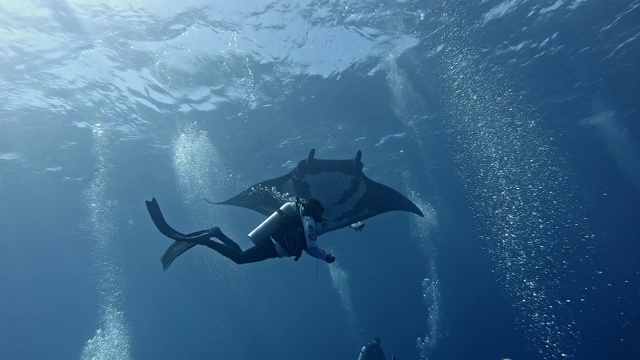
[179, 246]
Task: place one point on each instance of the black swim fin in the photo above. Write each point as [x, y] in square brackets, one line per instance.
[182, 242]
[161, 223]
[173, 251]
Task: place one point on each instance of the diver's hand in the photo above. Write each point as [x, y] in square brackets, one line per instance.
[329, 258]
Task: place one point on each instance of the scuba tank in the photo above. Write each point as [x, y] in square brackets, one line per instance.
[274, 222]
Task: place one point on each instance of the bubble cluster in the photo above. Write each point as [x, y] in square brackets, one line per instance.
[195, 164]
[112, 339]
[340, 282]
[403, 96]
[520, 195]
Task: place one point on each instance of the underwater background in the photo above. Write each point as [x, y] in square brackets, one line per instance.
[512, 124]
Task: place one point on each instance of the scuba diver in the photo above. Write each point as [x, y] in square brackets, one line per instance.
[289, 231]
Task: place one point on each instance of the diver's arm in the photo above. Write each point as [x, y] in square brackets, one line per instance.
[310, 238]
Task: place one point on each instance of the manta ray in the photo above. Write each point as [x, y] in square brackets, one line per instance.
[347, 194]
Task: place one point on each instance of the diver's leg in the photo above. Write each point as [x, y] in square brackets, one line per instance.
[264, 250]
[257, 253]
[218, 234]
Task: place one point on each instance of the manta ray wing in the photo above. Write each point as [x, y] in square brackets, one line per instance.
[264, 197]
[347, 195]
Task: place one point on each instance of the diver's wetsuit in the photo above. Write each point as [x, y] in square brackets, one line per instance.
[287, 241]
[230, 249]
[263, 250]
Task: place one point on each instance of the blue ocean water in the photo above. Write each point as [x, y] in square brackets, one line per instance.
[510, 123]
